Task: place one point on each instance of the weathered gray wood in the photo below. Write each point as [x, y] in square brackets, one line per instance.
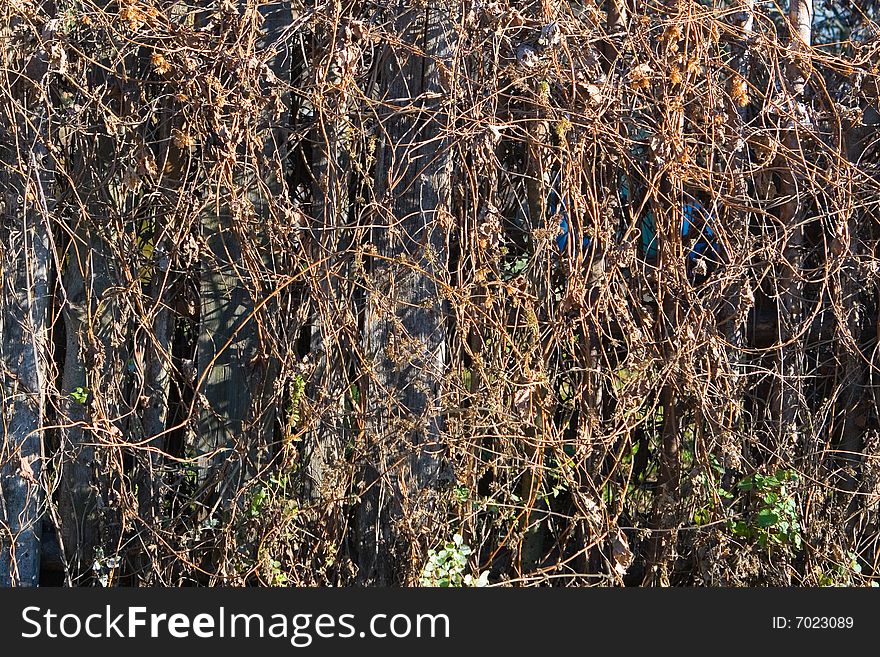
[334, 328]
[788, 400]
[92, 369]
[735, 306]
[25, 258]
[405, 332]
[231, 380]
[26, 193]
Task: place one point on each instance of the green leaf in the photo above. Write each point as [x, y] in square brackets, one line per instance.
[80, 395]
[767, 518]
[740, 528]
